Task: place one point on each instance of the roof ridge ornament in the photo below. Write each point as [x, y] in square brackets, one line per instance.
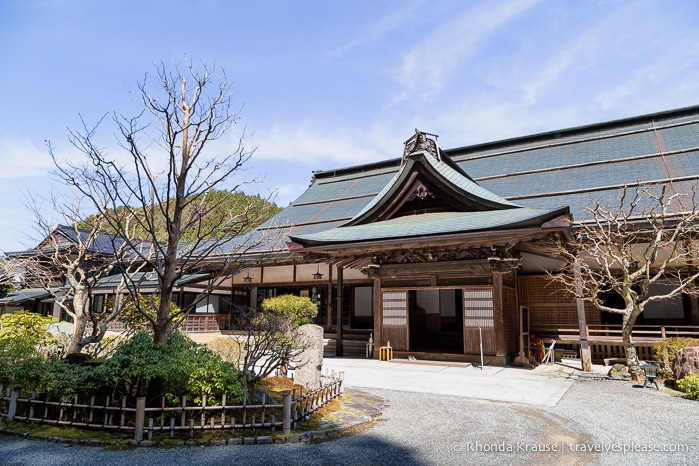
[421, 141]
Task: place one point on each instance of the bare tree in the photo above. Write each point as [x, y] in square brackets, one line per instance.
[161, 192]
[68, 263]
[648, 238]
[269, 340]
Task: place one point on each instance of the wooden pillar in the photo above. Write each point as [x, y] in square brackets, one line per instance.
[140, 417]
[338, 343]
[378, 314]
[585, 356]
[498, 315]
[329, 299]
[253, 297]
[286, 413]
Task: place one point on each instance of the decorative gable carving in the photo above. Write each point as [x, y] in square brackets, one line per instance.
[420, 192]
[420, 141]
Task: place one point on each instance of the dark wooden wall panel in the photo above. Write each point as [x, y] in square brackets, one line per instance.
[398, 337]
[472, 341]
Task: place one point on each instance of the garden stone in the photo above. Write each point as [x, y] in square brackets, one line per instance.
[686, 362]
[310, 361]
[619, 370]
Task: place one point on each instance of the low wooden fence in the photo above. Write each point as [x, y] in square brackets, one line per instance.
[132, 415]
[605, 341]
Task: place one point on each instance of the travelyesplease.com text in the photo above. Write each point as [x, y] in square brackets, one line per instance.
[561, 447]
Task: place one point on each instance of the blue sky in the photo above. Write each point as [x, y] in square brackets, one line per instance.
[326, 84]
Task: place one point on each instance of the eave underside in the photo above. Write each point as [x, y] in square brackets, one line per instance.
[431, 249]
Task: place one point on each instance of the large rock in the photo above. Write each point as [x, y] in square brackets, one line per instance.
[686, 362]
[619, 370]
[310, 362]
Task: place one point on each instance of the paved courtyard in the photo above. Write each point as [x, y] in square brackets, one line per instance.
[453, 420]
[542, 386]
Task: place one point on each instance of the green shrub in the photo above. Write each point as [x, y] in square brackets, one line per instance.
[226, 347]
[20, 365]
[665, 352]
[139, 311]
[62, 379]
[27, 325]
[211, 376]
[179, 366]
[24, 341]
[302, 309]
[690, 384]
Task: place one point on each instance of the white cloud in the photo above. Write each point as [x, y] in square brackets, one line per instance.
[399, 17]
[21, 157]
[586, 51]
[628, 49]
[311, 146]
[673, 68]
[433, 61]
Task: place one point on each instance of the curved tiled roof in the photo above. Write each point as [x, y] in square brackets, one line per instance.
[431, 224]
[544, 171]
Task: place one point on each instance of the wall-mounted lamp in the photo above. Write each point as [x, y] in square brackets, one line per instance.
[318, 275]
[247, 278]
[633, 265]
[17, 282]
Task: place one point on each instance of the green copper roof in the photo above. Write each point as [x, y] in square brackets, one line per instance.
[563, 167]
[432, 224]
[450, 177]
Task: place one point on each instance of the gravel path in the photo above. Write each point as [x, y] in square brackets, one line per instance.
[426, 429]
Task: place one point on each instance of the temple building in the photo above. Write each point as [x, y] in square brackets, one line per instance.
[445, 254]
[440, 253]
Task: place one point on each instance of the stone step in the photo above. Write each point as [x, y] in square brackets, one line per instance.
[349, 347]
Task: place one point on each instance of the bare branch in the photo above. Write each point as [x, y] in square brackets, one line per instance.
[648, 238]
[157, 199]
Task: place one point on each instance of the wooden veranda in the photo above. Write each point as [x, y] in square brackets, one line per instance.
[605, 340]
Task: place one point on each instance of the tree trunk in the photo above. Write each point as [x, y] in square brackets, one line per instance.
[631, 357]
[162, 329]
[79, 320]
[163, 322]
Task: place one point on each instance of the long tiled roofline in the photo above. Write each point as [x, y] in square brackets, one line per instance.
[589, 164]
[579, 130]
[568, 167]
[604, 188]
[460, 154]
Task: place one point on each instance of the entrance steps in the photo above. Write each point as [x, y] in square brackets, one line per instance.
[349, 347]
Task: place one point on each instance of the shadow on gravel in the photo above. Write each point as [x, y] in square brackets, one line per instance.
[364, 449]
[359, 450]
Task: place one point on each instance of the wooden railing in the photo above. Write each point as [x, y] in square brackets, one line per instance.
[132, 414]
[604, 332]
[194, 323]
[605, 341]
[206, 322]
